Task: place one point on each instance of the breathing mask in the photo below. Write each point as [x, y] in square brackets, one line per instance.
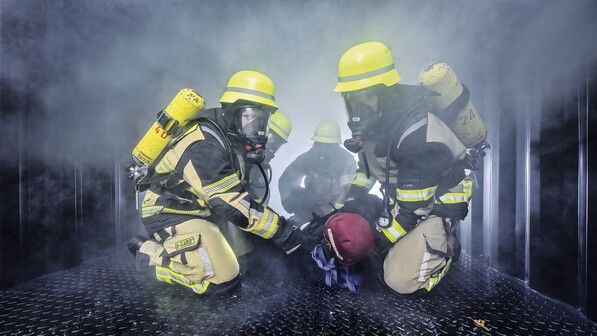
[274, 142]
[252, 126]
[361, 109]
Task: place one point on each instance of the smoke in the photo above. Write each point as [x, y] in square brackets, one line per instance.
[104, 69]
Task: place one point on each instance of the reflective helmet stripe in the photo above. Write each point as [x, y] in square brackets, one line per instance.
[252, 92]
[366, 74]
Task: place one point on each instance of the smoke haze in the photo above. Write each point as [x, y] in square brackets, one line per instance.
[110, 66]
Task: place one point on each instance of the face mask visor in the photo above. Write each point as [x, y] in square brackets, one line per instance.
[253, 123]
[361, 116]
[359, 107]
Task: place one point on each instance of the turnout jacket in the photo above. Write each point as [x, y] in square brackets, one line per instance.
[205, 178]
[326, 175]
[423, 156]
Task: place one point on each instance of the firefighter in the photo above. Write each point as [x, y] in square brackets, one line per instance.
[242, 242]
[279, 131]
[317, 180]
[204, 183]
[417, 159]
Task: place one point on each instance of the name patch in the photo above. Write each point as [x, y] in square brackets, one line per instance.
[185, 243]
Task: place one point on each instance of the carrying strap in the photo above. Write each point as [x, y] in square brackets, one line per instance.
[154, 179]
[452, 110]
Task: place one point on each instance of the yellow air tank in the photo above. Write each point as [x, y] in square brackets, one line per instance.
[461, 117]
[174, 117]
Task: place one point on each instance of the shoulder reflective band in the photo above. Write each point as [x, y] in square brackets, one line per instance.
[366, 74]
[249, 91]
[411, 129]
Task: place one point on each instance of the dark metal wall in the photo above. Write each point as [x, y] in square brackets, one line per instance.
[545, 200]
[591, 245]
[537, 191]
[55, 210]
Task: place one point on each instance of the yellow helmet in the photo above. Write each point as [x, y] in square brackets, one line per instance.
[327, 132]
[281, 125]
[251, 86]
[365, 65]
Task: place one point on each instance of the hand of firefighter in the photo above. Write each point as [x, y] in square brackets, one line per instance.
[382, 244]
[298, 201]
[368, 206]
[288, 237]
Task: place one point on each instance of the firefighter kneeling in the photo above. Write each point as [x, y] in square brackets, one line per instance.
[419, 161]
[200, 182]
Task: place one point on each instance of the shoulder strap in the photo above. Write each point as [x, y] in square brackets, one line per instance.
[206, 129]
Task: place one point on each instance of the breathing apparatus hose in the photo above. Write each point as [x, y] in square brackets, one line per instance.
[229, 146]
[384, 220]
[266, 183]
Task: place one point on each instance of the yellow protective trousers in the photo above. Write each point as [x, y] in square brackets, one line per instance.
[420, 259]
[193, 254]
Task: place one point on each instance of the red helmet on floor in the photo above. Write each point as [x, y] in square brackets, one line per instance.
[348, 237]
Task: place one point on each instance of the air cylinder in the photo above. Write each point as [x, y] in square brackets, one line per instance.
[174, 117]
[453, 103]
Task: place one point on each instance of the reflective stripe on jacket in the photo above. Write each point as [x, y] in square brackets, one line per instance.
[202, 160]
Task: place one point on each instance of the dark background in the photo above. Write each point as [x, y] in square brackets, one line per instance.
[80, 81]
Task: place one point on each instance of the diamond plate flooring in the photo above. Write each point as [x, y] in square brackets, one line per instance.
[107, 296]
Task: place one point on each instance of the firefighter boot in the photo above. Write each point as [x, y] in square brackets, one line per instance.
[135, 244]
[217, 289]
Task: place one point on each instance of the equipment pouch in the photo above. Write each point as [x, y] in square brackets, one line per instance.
[437, 246]
[183, 237]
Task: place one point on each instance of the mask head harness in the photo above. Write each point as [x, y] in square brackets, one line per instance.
[250, 127]
[361, 115]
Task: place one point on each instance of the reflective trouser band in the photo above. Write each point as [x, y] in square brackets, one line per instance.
[222, 185]
[267, 225]
[458, 196]
[394, 232]
[167, 275]
[435, 280]
[361, 180]
[209, 269]
[415, 195]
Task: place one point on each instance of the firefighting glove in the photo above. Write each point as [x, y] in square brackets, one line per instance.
[368, 207]
[299, 201]
[288, 237]
[382, 244]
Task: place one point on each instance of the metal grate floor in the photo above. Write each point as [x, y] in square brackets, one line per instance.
[107, 296]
